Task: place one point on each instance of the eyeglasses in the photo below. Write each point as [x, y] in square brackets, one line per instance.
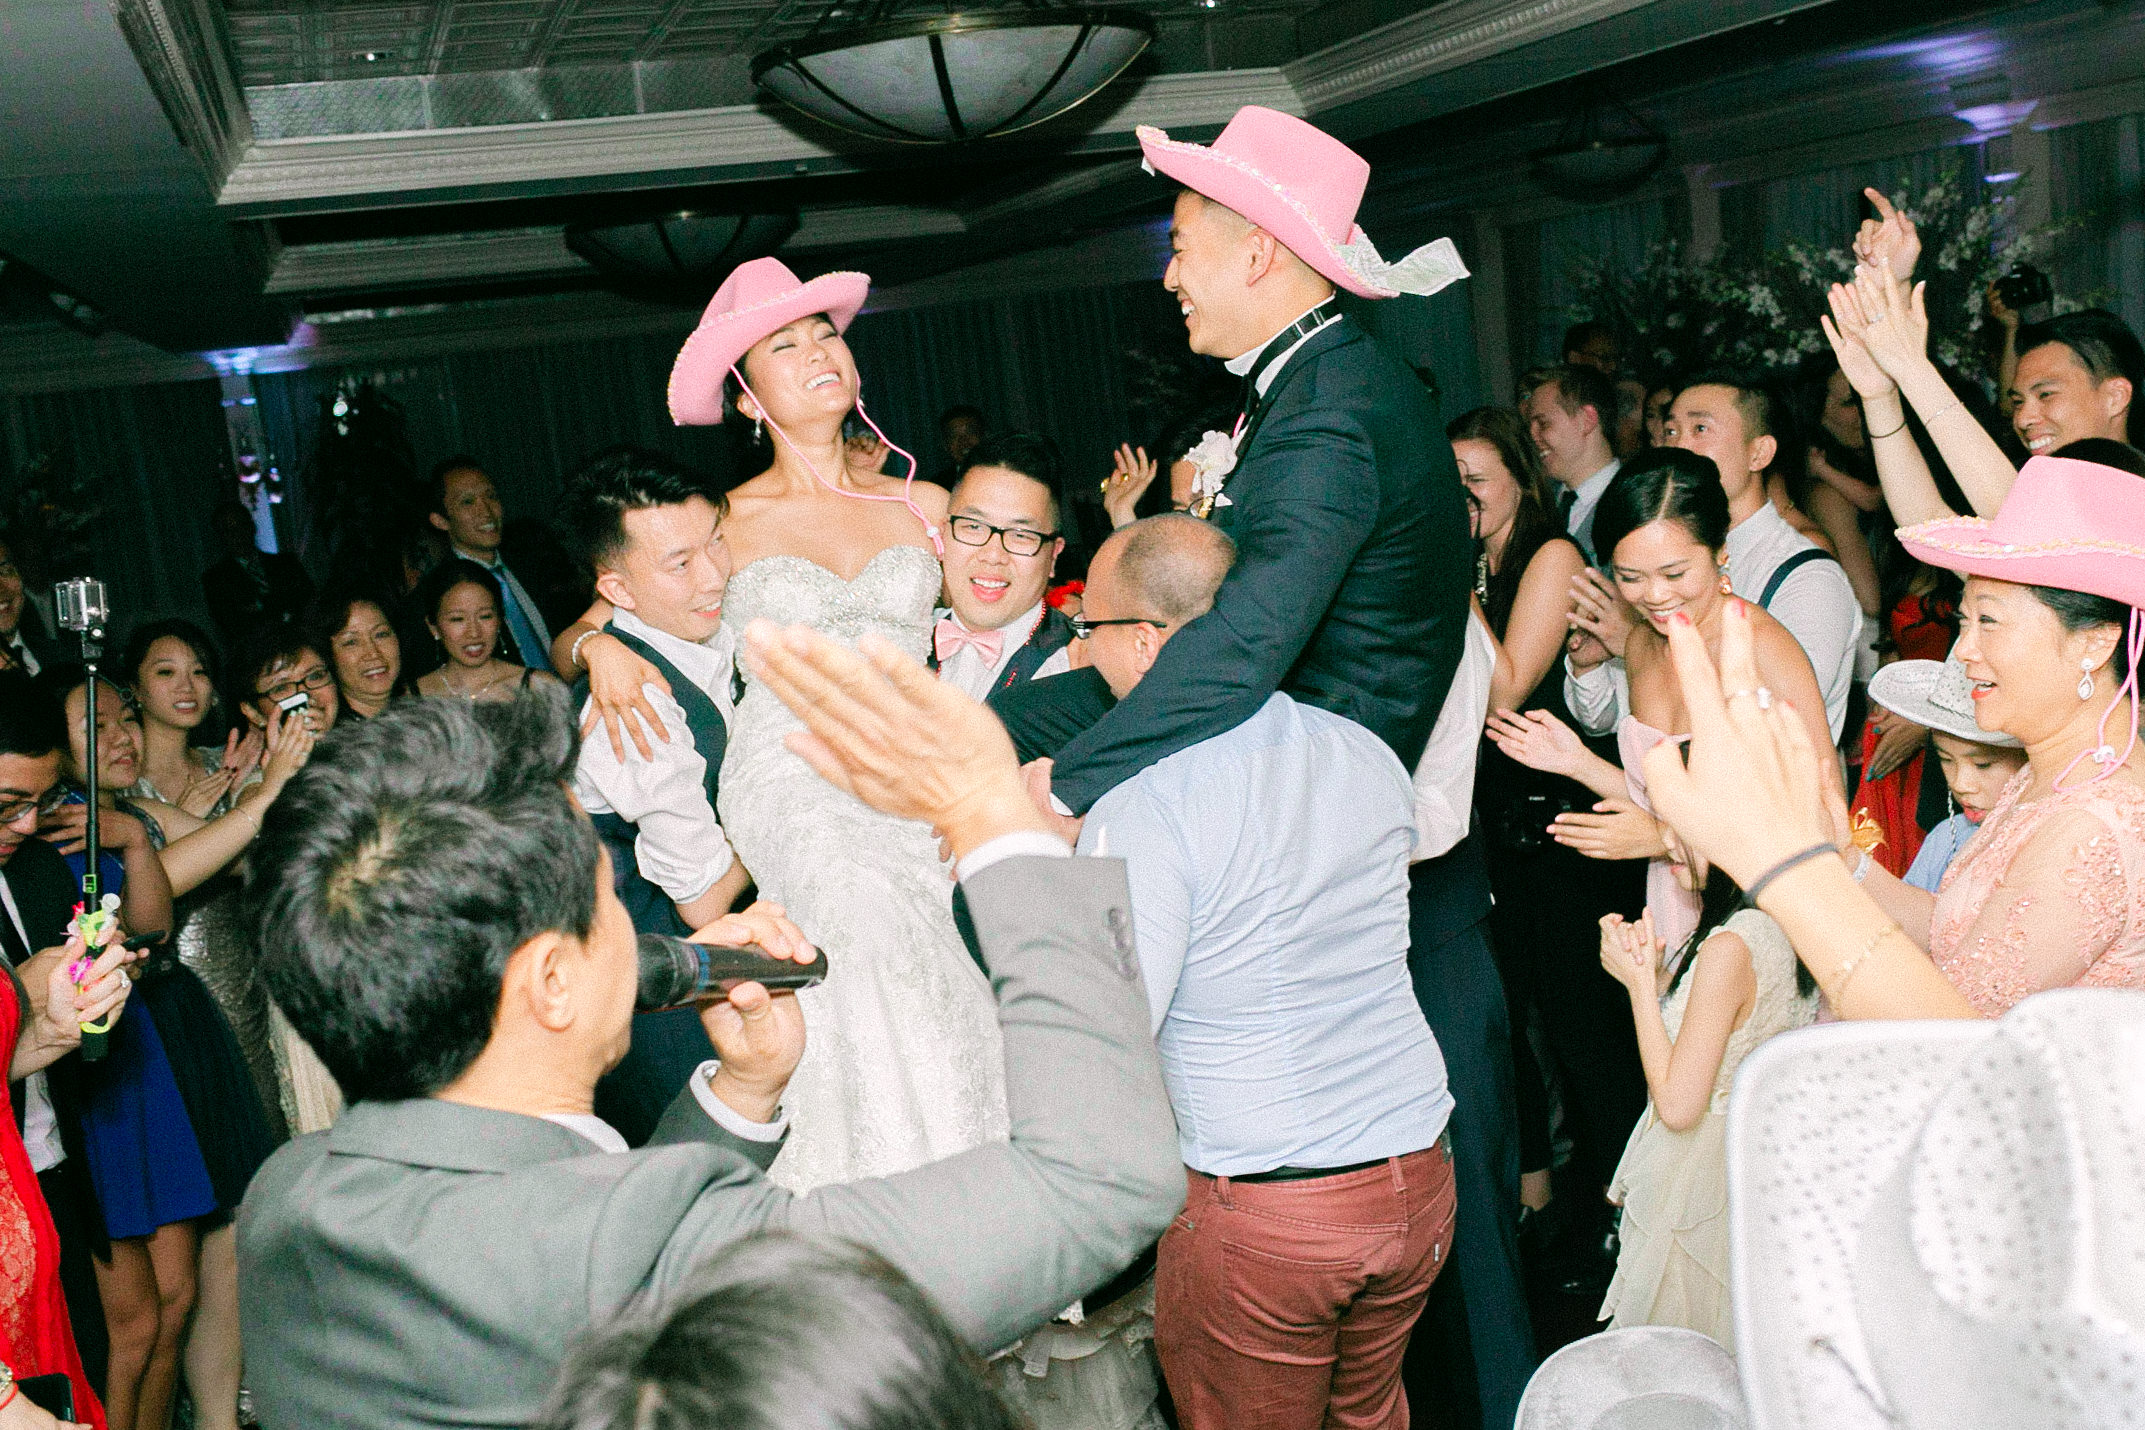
[1017, 540]
[43, 805]
[285, 689]
[1083, 627]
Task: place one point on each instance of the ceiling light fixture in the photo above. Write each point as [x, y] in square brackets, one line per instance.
[1602, 150]
[938, 78]
[679, 257]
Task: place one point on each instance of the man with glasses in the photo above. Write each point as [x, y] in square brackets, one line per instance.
[1269, 874]
[1003, 518]
[37, 897]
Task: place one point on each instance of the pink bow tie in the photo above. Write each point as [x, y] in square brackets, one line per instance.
[950, 637]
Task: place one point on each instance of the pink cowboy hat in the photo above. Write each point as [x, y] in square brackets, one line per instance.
[755, 300]
[2076, 526]
[1303, 186]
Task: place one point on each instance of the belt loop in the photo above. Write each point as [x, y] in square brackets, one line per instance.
[1400, 1175]
[1221, 1193]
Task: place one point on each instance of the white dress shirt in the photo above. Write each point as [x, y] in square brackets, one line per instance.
[680, 846]
[967, 672]
[608, 1139]
[1242, 364]
[1816, 603]
[1445, 775]
[40, 1124]
[20, 649]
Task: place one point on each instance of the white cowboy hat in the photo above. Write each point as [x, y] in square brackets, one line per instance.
[1937, 694]
[1635, 1378]
[1941, 1226]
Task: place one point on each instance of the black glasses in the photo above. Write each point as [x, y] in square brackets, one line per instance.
[1017, 540]
[285, 689]
[1083, 627]
[43, 805]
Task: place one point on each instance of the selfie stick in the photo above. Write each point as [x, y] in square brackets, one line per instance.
[83, 610]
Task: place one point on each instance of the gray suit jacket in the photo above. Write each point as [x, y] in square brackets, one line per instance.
[428, 1264]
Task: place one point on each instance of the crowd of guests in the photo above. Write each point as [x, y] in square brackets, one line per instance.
[1760, 700]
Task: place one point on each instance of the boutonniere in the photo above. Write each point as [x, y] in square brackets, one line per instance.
[1213, 459]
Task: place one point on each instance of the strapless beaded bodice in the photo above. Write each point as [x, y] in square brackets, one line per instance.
[893, 596]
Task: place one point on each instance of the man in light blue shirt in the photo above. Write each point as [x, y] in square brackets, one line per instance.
[1269, 873]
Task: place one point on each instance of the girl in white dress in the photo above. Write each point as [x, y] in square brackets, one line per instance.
[1734, 984]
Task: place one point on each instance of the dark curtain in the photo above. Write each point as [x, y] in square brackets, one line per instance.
[159, 458]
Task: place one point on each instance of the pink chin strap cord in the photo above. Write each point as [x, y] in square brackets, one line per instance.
[907, 499]
[2103, 753]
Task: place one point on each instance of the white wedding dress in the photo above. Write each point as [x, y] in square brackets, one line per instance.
[903, 1062]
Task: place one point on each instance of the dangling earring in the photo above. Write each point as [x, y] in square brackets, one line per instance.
[756, 438]
[2085, 681]
[1727, 587]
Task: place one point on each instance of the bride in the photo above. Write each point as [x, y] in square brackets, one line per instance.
[902, 1063]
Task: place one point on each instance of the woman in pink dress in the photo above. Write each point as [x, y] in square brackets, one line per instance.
[2051, 893]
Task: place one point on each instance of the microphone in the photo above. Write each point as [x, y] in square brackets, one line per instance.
[675, 972]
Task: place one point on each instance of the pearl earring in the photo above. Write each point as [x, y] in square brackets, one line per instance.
[2085, 681]
[1727, 587]
[756, 429]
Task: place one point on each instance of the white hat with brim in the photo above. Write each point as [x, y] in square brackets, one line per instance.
[1939, 1225]
[1635, 1378]
[1935, 694]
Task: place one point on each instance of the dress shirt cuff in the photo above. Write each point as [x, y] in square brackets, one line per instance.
[1019, 843]
[728, 1118]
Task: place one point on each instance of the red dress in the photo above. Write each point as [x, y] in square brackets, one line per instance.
[1922, 628]
[35, 1335]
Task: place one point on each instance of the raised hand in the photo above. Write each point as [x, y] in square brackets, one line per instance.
[1895, 323]
[1131, 473]
[290, 745]
[204, 790]
[1631, 952]
[1752, 792]
[242, 755]
[882, 727]
[1844, 331]
[615, 677]
[1616, 829]
[1889, 241]
[1536, 739]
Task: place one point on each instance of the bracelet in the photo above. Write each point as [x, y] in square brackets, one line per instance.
[573, 652]
[1815, 851]
[1880, 436]
[1946, 410]
[1854, 965]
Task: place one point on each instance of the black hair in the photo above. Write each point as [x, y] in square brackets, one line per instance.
[1577, 386]
[330, 612]
[2082, 610]
[961, 410]
[1662, 484]
[171, 628]
[1720, 900]
[1578, 335]
[1535, 523]
[402, 867]
[2103, 344]
[618, 480]
[260, 650]
[1757, 401]
[436, 480]
[31, 722]
[1031, 455]
[458, 571]
[2107, 452]
[780, 1333]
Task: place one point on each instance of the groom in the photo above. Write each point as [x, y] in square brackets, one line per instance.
[1350, 592]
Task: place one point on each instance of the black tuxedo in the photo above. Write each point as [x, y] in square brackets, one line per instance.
[1351, 581]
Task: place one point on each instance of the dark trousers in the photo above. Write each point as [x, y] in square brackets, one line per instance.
[1477, 1312]
[78, 1276]
[1287, 1305]
[1547, 927]
[667, 1047]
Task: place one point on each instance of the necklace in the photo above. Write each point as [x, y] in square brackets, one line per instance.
[469, 695]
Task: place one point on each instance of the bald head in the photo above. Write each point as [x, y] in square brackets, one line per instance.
[1161, 573]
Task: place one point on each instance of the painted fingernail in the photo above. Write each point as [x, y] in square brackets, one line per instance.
[1679, 618]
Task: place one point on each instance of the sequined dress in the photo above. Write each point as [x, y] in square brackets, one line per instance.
[2049, 894]
[903, 1060]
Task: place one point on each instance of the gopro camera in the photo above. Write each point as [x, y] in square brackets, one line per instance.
[82, 605]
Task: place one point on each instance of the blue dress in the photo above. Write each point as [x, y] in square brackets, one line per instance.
[144, 1162]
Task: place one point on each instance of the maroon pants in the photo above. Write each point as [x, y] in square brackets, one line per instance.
[1287, 1305]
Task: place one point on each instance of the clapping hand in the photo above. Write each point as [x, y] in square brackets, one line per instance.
[1131, 473]
[1536, 739]
[1631, 952]
[1601, 611]
[1889, 241]
[883, 728]
[1753, 792]
[1893, 325]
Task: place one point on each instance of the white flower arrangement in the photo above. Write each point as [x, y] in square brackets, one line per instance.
[1213, 459]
